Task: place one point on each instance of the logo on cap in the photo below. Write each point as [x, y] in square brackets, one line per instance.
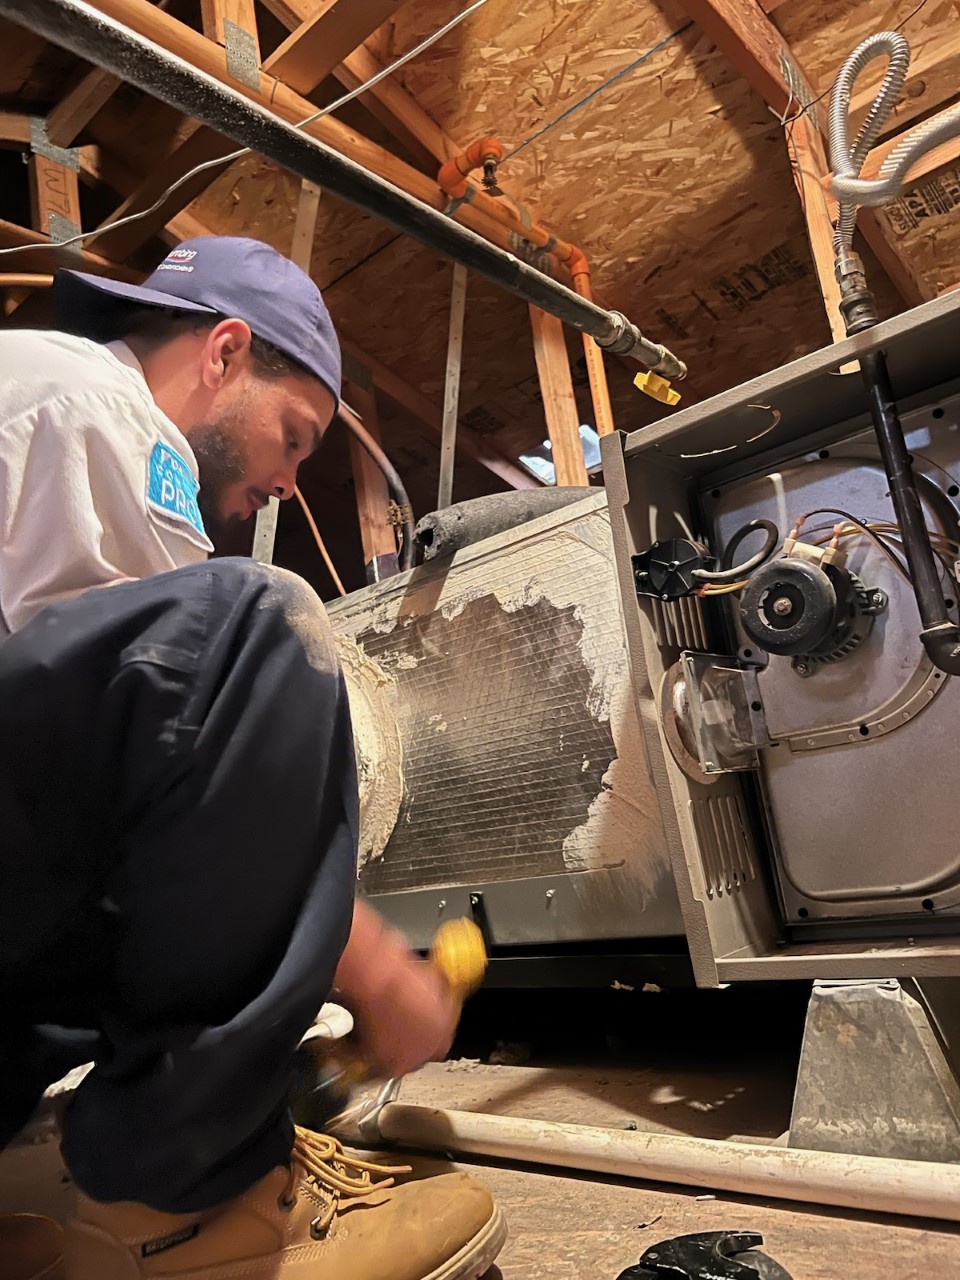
[178, 260]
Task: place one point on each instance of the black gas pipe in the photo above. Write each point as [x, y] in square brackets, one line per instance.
[107, 43]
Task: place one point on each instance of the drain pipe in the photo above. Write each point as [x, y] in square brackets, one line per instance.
[865, 1183]
[453, 180]
[939, 635]
[107, 43]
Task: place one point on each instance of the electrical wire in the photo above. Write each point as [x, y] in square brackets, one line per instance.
[319, 541]
[891, 555]
[221, 161]
[582, 102]
[729, 574]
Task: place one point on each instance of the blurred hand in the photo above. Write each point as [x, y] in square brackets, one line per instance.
[405, 1013]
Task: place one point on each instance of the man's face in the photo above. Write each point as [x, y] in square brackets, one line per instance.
[253, 439]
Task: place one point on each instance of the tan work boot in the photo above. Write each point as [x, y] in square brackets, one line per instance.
[31, 1248]
[330, 1216]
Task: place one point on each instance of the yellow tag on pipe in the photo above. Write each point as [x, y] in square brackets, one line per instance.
[651, 384]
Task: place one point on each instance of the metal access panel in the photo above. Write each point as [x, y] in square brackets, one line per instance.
[850, 866]
[526, 789]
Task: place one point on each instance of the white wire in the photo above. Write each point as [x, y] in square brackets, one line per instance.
[245, 151]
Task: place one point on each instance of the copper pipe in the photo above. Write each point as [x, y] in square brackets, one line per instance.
[24, 280]
[453, 180]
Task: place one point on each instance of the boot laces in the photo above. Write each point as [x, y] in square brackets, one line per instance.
[323, 1160]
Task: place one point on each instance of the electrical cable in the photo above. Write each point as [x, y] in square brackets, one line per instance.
[618, 75]
[131, 218]
[729, 575]
[865, 527]
[319, 541]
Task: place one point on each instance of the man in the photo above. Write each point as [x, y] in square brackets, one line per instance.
[178, 796]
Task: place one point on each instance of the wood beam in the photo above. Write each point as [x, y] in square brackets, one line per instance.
[41, 254]
[377, 533]
[399, 113]
[305, 225]
[808, 160]
[202, 145]
[431, 415]
[559, 402]
[333, 29]
[397, 110]
[99, 168]
[232, 22]
[933, 79]
[947, 153]
[55, 193]
[14, 129]
[79, 105]
[761, 55]
[210, 58]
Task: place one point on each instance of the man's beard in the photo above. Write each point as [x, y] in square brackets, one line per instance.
[221, 463]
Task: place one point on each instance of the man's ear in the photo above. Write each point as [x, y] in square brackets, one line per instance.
[226, 352]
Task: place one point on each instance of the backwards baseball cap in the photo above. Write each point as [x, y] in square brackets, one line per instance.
[219, 275]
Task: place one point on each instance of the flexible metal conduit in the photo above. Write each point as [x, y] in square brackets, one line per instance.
[847, 159]
[939, 635]
[107, 43]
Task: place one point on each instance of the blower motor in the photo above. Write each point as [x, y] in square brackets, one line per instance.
[812, 613]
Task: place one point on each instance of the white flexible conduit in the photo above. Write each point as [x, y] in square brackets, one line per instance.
[847, 158]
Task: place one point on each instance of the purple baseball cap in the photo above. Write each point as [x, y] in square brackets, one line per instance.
[219, 275]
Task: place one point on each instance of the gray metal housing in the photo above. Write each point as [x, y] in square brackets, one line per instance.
[703, 472]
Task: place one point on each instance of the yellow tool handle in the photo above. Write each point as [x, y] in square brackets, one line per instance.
[459, 955]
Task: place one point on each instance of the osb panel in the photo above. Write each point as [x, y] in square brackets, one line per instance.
[674, 180]
[925, 223]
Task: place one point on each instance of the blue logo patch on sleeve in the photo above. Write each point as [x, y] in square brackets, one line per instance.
[172, 487]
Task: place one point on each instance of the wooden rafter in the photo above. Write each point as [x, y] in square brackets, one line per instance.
[41, 254]
[377, 534]
[330, 31]
[54, 197]
[225, 21]
[559, 403]
[210, 58]
[201, 146]
[397, 110]
[757, 49]
[81, 102]
[947, 153]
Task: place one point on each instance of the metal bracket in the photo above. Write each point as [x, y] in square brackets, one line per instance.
[265, 532]
[41, 145]
[243, 62]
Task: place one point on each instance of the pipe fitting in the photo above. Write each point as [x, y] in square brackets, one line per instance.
[627, 340]
[942, 644]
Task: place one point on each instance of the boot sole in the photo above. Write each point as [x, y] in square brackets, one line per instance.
[475, 1258]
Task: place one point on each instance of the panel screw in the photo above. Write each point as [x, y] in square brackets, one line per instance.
[441, 905]
[550, 894]
[474, 899]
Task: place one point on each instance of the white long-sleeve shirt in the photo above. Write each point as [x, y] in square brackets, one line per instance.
[97, 486]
